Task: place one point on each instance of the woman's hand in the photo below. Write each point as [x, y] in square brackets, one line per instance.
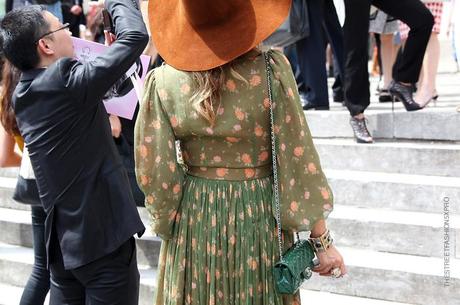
[115, 124]
[328, 260]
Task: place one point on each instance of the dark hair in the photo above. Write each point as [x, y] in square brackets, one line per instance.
[10, 78]
[20, 29]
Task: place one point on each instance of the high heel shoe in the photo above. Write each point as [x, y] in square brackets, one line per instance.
[404, 94]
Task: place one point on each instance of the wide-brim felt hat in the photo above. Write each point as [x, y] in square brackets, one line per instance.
[198, 35]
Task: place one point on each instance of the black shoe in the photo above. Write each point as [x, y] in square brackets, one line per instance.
[338, 97]
[310, 106]
[360, 130]
[385, 96]
[404, 94]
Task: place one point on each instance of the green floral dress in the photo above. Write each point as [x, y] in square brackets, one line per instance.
[215, 212]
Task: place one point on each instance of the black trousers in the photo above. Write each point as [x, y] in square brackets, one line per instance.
[38, 285]
[311, 55]
[409, 61]
[110, 280]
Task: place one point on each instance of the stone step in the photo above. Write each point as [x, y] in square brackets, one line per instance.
[433, 123]
[374, 275]
[422, 158]
[7, 185]
[12, 294]
[17, 224]
[402, 232]
[11, 172]
[386, 230]
[417, 193]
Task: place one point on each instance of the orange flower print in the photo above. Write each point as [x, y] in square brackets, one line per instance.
[220, 111]
[258, 130]
[306, 222]
[156, 124]
[324, 193]
[149, 199]
[240, 115]
[287, 119]
[172, 215]
[221, 172]
[144, 180]
[209, 130]
[294, 206]
[263, 156]
[312, 167]
[202, 156]
[283, 146]
[163, 94]
[172, 166]
[290, 93]
[292, 182]
[158, 159]
[231, 86]
[232, 239]
[218, 277]
[232, 139]
[306, 195]
[298, 151]
[217, 159]
[164, 185]
[185, 88]
[148, 139]
[174, 121]
[255, 80]
[302, 133]
[246, 158]
[237, 127]
[249, 172]
[143, 151]
[213, 221]
[327, 207]
[267, 102]
[176, 189]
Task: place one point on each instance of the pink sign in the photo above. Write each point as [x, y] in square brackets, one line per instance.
[120, 106]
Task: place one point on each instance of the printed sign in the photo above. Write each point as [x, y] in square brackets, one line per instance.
[125, 105]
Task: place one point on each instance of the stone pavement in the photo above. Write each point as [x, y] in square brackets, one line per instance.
[388, 220]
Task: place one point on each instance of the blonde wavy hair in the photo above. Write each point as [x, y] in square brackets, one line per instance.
[208, 86]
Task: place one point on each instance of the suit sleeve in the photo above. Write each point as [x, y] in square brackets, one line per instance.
[305, 194]
[93, 79]
[158, 174]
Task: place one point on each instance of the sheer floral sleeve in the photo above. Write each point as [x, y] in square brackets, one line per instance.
[158, 173]
[304, 191]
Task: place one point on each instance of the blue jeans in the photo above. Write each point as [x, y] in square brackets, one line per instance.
[55, 9]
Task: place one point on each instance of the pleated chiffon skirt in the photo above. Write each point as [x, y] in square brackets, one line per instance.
[224, 246]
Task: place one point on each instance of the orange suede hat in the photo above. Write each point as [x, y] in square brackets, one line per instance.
[198, 35]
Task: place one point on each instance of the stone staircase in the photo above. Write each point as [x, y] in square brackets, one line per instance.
[388, 220]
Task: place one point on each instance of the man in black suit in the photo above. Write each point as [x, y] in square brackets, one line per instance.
[91, 214]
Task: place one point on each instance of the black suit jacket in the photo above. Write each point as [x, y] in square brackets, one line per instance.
[82, 182]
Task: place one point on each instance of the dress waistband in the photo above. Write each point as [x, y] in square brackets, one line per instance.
[224, 173]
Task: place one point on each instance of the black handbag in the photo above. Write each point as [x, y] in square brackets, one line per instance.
[294, 28]
[26, 191]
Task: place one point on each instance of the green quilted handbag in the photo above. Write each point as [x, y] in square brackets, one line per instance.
[295, 265]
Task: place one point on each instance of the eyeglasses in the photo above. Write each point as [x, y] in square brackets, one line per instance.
[63, 27]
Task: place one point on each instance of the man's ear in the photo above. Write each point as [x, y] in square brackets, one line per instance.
[43, 47]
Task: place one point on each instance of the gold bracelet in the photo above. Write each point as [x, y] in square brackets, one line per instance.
[321, 243]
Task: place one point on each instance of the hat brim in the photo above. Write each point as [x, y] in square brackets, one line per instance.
[203, 47]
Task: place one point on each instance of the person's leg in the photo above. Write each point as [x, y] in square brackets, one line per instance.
[38, 285]
[355, 32]
[427, 87]
[65, 289]
[311, 57]
[420, 20]
[112, 279]
[388, 55]
[335, 36]
[291, 54]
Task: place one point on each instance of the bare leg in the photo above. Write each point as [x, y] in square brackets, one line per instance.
[388, 58]
[427, 86]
